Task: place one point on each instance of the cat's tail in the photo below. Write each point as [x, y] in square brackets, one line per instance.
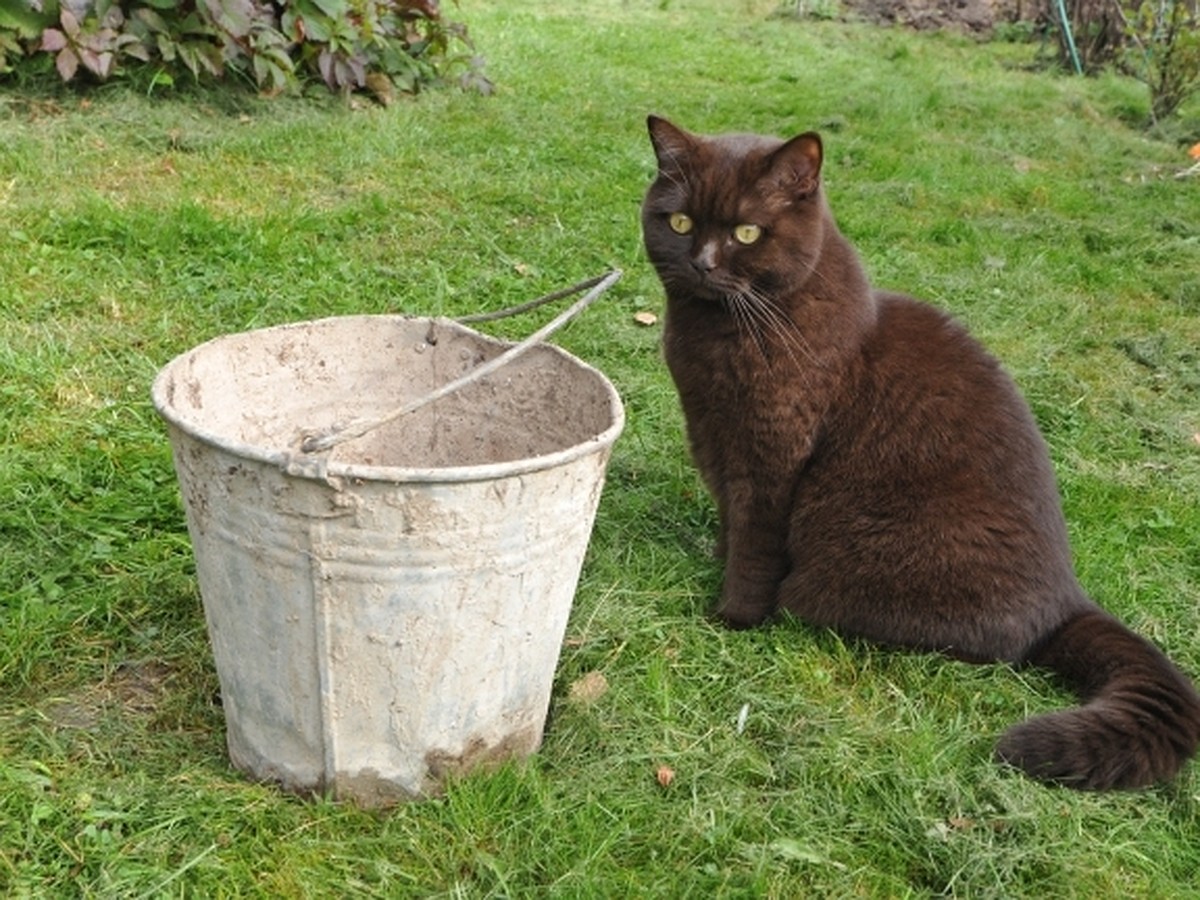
[1140, 721]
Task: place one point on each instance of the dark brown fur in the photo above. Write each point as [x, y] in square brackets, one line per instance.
[875, 470]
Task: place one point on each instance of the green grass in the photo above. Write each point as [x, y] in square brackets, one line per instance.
[1027, 202]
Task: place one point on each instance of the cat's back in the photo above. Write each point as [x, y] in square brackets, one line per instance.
[932, 487]
[923, 345]
[925, 362]
[934, 421]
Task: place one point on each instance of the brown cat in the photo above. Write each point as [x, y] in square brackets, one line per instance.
[875, 470]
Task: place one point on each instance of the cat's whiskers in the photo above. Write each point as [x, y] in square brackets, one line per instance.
[761, 317]
[746, 322]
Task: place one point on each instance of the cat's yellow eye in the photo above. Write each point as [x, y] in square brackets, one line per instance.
[680, 224]
[747, 234]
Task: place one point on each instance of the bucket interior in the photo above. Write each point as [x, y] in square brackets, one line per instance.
[264, 390]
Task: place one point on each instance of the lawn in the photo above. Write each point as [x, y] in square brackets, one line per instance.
[1031, 204]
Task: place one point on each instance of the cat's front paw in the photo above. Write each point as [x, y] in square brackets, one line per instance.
[740, 616]
[747, 601]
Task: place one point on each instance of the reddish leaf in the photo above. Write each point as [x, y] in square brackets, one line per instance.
[67, 63]
[99, 64]
[325, 64]
[427, 8]
[234, 16]
[70, 24]
[53, 39]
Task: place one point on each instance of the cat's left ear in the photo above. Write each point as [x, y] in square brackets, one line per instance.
[795, 168]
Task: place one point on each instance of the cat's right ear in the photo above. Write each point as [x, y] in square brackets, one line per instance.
[671, 143]
[796, 166]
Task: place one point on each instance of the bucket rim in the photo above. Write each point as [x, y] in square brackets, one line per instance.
[317, 466]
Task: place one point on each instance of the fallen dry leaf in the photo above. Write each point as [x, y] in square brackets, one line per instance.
[645, 318]
[1196, 438]
[665, 775]
[590, 688]
[1194, 151]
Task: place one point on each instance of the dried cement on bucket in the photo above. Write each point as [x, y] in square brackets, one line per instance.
[389, 613]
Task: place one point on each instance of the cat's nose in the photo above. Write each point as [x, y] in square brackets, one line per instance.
[705, 259]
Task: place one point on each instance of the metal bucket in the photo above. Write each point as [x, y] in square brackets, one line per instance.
[388, 612]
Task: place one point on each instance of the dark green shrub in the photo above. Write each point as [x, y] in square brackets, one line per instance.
[1162, 50]
[347, 44]
[1154, 41]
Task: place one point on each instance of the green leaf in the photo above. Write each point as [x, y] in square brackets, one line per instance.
[135, 48]
[8, 44]
[167, 48]
[235, 16]
[19, 16]
[190, 55]
[152, 20]
[317, 28]
[335, 9]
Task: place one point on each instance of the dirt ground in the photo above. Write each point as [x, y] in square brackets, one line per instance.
[977, 16]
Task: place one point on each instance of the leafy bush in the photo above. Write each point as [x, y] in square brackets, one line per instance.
[347, 44]
[1155, 41]
[1162, 49]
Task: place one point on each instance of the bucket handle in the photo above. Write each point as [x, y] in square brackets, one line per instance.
[327, 439]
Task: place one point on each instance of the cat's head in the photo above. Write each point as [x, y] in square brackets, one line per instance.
[733, 214]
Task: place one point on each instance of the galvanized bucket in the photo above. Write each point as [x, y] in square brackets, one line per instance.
[389, 611]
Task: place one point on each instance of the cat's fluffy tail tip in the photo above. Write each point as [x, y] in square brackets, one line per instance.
[1059, 748]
